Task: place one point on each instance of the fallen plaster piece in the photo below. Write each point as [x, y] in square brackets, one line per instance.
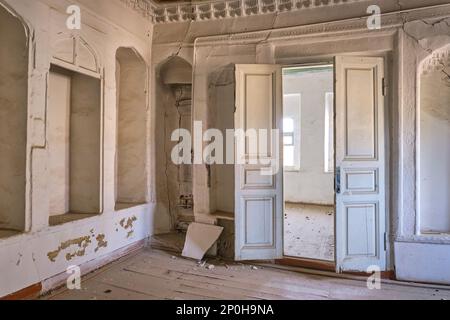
[199, 239]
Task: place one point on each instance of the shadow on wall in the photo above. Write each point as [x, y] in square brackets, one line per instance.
[221, 107]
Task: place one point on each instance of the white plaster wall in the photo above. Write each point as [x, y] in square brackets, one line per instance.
[30, 258]
[131, 142]
[311, 184]
[85, 144]
[58, 116]
[422, 262]
[418, 39]
[317, 44]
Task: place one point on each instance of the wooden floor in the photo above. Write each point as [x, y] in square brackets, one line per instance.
[154, 274]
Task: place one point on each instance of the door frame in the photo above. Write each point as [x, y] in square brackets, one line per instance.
[331, 265]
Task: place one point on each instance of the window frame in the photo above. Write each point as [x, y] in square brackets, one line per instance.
[296, 135]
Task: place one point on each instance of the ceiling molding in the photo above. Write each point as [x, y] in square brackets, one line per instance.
[223, 9]
[352, 27]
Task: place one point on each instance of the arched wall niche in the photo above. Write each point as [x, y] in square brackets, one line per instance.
[433, 143]
[174, 189]
[76, 51]
[131, 156]
[176, 70]
[74, 131]
[14, 62]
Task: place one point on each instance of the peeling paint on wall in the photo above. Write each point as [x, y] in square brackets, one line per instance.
[129, 223]
[82, 243]
[101, 243]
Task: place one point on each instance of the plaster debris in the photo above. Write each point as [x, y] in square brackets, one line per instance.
[199, 239]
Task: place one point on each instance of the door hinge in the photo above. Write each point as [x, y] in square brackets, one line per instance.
[384, 87]
[385, 241]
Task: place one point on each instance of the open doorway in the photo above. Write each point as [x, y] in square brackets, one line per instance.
[308, 139]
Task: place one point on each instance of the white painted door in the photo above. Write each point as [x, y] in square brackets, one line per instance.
[360, 164]
[259, 194]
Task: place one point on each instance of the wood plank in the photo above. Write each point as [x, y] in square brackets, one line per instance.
[153, 274]
[315, 282]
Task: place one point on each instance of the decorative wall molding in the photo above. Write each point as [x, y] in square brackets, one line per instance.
[223, 9]
[391, 22]
[143, 7]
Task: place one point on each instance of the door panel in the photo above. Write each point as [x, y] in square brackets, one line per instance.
[360, 161]
[259, 196]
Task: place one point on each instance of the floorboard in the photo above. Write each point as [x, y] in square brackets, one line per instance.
[153, 274]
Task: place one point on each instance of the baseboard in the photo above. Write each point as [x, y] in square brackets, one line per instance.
[32, 292]
[60, 279]
[388, 275]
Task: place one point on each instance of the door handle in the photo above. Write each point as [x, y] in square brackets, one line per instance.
[338, 180]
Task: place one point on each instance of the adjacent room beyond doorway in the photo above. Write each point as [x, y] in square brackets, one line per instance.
[308, 129]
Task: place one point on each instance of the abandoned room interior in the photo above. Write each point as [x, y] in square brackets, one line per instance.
[349, 176]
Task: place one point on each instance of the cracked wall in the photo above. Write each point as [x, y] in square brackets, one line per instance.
[24, 259]
[406, 39]
[173, 111]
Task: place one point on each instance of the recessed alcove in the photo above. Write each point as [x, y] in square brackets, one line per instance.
[74, 145]
[434, 144]
[13, 123]
[131, 84]
[221, 117]
[174, 111]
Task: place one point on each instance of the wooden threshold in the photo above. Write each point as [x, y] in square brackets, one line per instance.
[321, 265]
[387, 275]
[307, 263]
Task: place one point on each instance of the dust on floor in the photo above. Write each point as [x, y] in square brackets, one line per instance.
[153, 275]
[309, 231]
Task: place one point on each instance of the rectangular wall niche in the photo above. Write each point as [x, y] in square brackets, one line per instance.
[74, 144]
[131, 177]
[13, 123]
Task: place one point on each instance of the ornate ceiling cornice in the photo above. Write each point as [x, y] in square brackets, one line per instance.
[223, 9]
